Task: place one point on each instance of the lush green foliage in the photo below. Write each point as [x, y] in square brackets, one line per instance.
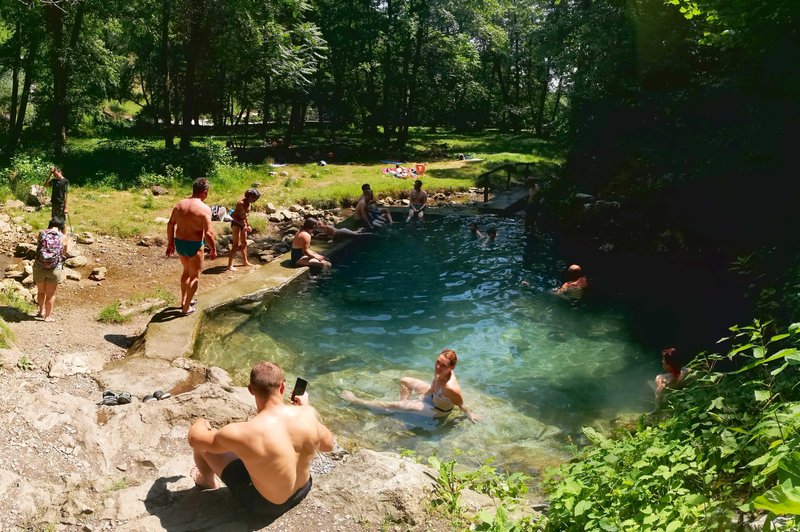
[728, 446]
[12, 299]
[22, 172]
[506, 490]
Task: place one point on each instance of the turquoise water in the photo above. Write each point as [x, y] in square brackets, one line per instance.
[535, 366]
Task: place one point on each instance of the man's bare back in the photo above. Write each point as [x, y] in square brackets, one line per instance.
[191, 216]
[277, 447]
[266, 461]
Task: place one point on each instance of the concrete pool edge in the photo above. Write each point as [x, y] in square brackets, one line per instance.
[161, 357]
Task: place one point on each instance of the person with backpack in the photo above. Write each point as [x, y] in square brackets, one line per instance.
[48, 268]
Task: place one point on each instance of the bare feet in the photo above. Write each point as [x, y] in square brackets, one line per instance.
[231, 269]
[49, 319]
[202, 481]
[191, 310]
[347, 395]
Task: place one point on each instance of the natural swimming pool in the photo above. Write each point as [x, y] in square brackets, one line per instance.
[537, 367]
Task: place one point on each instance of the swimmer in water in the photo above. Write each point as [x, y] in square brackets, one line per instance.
[435, 400]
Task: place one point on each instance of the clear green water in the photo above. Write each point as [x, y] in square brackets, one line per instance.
[537, 367]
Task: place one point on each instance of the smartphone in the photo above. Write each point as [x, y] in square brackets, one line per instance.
[299, 387]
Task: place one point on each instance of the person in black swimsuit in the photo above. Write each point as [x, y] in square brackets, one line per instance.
[301, 248]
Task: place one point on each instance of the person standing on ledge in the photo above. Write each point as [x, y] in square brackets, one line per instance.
[418, 199]
[59, 196]
[188, 230]
[240, 227]
[436, 399]
[265, 462]
[301, 248]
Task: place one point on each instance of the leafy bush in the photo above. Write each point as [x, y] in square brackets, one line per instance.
[13, 299]
[142, 163]
[24, 171]
[729, 447]
[506, 490]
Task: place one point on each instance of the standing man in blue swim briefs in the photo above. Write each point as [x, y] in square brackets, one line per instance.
[188, 231]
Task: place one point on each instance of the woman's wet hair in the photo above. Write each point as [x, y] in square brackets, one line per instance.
[451, 356]
[309, 223]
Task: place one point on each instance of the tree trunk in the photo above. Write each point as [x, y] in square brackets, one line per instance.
[544, 83]
[557, 101]
[422, 30]
[195, 15]
[19, 122]
[55, 19]
[58, 59]
[387, 70]
[166, 111]
[265, 108]
[16, 50]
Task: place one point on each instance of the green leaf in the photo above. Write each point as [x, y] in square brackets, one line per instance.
[675, 525]
[762, 395]
[759, 352]
[778, 337]
[581, 507]
[783, 499]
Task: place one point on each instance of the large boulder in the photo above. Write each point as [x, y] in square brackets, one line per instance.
[25, 250]
[76, 262]
[38, 196]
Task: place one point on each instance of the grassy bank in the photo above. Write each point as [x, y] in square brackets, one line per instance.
[110, 178]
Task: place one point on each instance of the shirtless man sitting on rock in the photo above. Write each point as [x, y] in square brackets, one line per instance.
[188, 231]
[436, 399]
[265, 462]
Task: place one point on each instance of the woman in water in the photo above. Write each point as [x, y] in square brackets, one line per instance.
[436, 399]
[675, 378]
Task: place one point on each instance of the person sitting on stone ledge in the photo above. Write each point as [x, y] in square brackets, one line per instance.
[265, 462]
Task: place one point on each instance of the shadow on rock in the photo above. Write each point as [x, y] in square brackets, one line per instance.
[121, 340]
[215, 270]
[198, 510]
[13, 315]
[168, 314]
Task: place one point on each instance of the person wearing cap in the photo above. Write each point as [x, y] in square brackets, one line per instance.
[240, 227]
[675, 378]
[576, 284]
[418, 199]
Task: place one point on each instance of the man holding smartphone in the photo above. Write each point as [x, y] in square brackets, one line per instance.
[265, 462]
[59, 194]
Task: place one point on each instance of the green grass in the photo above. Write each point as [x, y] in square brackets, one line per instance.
[110, 314]
[98, 169]
[6, 335]
[25, 364]
[158, 293]
[12, 299]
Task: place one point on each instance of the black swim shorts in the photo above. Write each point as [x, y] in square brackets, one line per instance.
[237, 478]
